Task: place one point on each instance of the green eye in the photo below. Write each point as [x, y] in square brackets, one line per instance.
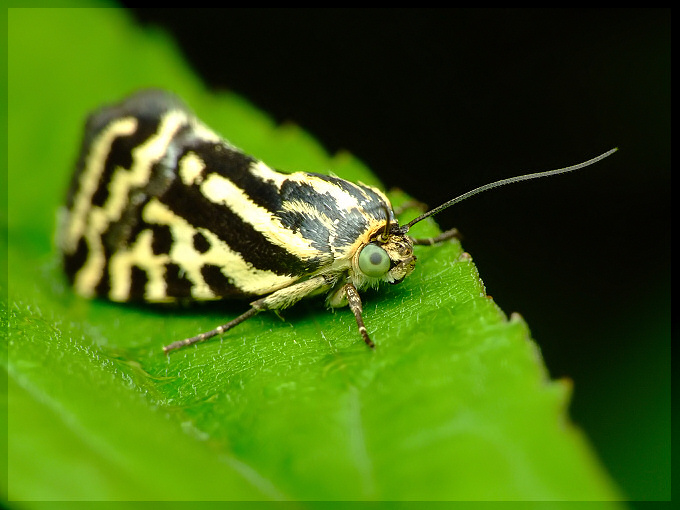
[374, 261]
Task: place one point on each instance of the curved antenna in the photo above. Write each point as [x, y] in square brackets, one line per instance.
[503, 182]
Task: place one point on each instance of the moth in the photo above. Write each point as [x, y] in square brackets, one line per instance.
[162, 209]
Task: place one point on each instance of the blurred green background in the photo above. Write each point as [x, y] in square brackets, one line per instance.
[437, 102]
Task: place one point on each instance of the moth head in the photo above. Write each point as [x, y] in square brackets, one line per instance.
[388, 257]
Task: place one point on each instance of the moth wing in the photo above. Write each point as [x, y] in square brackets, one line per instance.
[161, 209]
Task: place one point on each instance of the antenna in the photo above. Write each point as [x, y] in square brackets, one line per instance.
[511, 180]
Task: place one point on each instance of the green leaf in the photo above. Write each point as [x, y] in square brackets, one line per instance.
[453, 404]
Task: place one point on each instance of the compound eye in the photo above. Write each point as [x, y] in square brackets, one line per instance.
[374, 261]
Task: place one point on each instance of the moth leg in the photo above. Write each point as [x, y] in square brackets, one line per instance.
[444, 236]
[354, 301]
[282, 298]
[213, 332]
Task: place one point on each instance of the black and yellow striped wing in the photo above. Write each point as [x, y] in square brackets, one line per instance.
[161, 208]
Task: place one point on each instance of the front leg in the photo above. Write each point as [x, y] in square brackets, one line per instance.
[354, 302]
